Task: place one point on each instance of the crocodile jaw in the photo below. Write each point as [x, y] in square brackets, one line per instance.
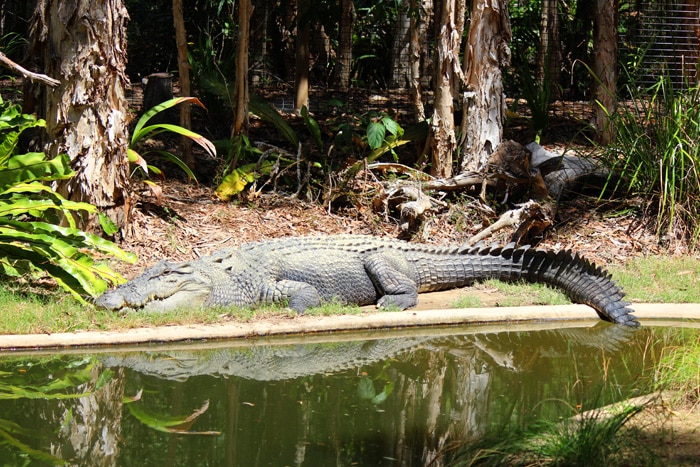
[164, 287]
[116, 300]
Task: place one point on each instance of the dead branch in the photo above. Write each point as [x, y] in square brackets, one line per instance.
[456, 183]
[26, 73]
[530, 216]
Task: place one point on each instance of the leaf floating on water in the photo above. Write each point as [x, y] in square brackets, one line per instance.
[177, 424]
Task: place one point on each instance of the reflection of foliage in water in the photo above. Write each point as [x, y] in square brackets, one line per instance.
[50, 379]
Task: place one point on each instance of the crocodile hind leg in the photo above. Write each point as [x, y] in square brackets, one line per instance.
[394, 288]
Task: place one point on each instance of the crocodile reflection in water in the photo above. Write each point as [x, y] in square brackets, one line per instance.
[283, 362]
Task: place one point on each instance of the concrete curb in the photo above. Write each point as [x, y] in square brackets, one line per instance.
[648, 313]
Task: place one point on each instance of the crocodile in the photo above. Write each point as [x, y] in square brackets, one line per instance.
[361, 270]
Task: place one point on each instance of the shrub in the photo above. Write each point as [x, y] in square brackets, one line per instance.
[31, 240]
[656, 155]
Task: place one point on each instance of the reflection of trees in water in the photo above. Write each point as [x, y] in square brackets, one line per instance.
[91, 426]
[406, 399]
[58, 410]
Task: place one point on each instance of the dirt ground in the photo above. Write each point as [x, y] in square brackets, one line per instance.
[190, 221]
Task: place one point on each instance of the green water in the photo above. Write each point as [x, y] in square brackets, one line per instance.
[389, 398]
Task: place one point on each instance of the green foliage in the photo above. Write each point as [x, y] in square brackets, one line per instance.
[30, 240]
[177, 424]
[538, 95]
[656, 155]
[143, 131]
[52, 379]
[591, 438]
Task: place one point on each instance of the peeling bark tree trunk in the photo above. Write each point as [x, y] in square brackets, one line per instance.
[418, 36]
[343, 63]
[605, 67]
[184, 74]
[487, 51]
[83, 44]
[240, 94]
[447, 74]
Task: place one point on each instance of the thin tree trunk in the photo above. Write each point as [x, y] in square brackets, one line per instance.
[83, 44]
[417, 31]
[343, 62]
[303, 60]
[487, 51]
[184, 80]
[549, 59]
[448, 74]
[400, 52]
[240, 96]
[605, 67]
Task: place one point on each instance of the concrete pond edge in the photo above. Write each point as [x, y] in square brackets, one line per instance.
[648, 314]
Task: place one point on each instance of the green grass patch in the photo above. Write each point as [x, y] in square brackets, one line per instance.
[512, 294]
[468, 301]
[658, 279]
[588, 439]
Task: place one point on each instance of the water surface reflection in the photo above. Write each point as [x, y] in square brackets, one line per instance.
[389, 398]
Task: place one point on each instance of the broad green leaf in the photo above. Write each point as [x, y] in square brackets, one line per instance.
[391, 126]
[179, 424]
[196, 137]
[34, 166]
[140, 131]
[375, 134]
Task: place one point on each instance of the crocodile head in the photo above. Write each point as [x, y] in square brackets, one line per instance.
[165, 286]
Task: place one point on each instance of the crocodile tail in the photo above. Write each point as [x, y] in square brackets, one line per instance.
[581, 280]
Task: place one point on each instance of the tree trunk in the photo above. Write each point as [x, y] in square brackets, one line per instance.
[343, 62]
[400, 52]
[448, 74]
[240, 94]
[303, 60]
[90, 431]
[605, 67]
[487, 51]
[183, 65]
[421, 10]
[83, 44]
[549, 55]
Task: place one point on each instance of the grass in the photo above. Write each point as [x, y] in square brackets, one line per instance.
[658, 279]
[651, 279]
[514, 294]
[656, 154]
[592, 438]
[679, 368]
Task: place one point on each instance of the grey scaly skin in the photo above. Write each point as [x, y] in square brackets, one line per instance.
[360, 270]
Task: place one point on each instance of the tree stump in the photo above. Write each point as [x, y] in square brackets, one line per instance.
[158, 88]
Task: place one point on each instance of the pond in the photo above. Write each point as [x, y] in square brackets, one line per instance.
[403, 397]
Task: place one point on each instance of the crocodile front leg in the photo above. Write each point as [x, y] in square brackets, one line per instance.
[300, 294]
[394, 287]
